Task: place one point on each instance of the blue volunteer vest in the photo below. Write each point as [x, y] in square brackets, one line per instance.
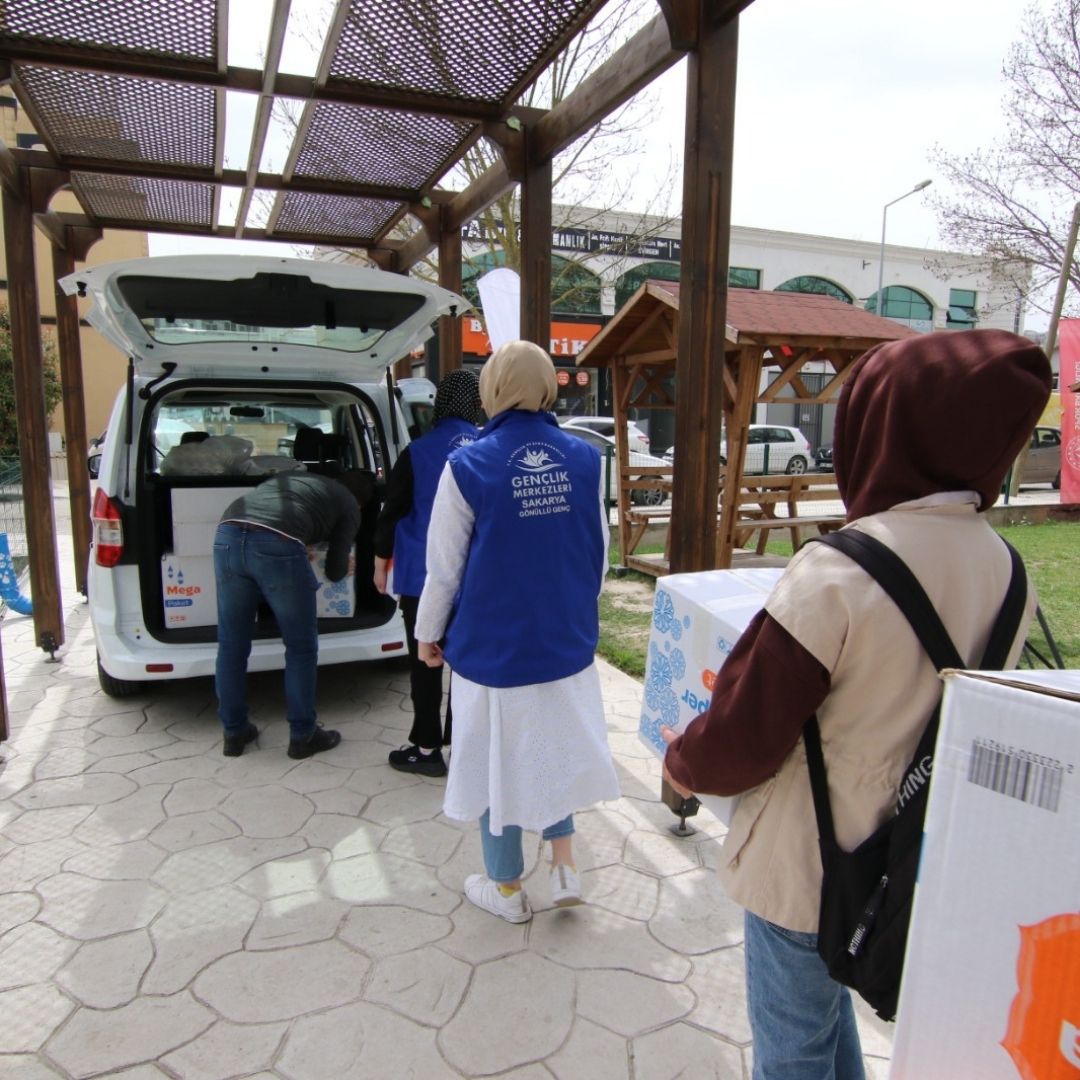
[428, 456]
[527, 608]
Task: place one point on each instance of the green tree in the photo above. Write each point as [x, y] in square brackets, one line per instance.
[9, 426]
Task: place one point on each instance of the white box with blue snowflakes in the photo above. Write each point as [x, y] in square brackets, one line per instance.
[697, 618]
[335, 599]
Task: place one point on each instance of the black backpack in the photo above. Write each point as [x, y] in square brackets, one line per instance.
[866, 894]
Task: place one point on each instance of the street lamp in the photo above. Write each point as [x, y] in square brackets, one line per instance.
[880, 305]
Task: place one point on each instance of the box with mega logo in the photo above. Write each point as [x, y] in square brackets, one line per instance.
[992, 972]
[188, 591]
[697, 618]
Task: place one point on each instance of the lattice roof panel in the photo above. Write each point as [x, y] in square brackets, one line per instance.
[356, 220]
[125, 198]
[475, 50]
[379, 146]
[92, 114]
[185, 29]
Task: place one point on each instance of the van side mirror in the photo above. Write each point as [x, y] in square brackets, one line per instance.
[93, 466]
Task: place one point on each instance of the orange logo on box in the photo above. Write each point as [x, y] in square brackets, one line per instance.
[1043, 1035]
[708, 679]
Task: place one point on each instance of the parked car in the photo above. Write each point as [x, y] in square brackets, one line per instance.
[242, 366]
[606, 445]
[769, 448]
[823, 459]
[1043, 465]
[605, 425]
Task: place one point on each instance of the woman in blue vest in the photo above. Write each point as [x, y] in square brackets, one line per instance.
[517, 552]
[401, 537]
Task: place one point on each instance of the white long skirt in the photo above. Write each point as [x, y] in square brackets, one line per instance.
[532, 754]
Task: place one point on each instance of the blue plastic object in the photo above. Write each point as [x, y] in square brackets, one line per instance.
[9, 581]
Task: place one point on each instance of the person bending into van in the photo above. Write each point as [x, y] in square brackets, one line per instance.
[516, 555]
[261, 553]
[401, 537]
[926, 430]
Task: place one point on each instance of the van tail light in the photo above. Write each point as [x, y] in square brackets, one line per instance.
[108, 530]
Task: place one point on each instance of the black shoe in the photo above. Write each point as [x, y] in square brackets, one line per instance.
[234, 744]
[409, 759]
[321, 739]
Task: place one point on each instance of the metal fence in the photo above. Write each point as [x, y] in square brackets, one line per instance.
[12, 516]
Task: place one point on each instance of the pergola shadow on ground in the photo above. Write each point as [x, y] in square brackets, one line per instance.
[790, 333]
[170, 912]
[130, 105]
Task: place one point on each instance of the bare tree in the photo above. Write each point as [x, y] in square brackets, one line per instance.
[1012, 203]
[591, 180]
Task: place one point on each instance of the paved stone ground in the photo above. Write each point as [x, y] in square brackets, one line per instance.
[168, 912]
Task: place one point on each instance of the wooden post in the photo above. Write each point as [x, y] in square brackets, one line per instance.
[536, 251]
[449, 278]
[33, 422]
[706, 232]
[71, 377]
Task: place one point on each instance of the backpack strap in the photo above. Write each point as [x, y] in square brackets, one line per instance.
[896, 578]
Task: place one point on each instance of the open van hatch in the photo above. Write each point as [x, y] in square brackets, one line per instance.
[266, 315]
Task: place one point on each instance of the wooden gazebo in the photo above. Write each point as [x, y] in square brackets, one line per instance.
[780, 330]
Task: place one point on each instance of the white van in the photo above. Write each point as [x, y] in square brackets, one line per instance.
[240, 366]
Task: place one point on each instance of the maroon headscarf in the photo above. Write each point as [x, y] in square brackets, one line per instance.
[938, 412]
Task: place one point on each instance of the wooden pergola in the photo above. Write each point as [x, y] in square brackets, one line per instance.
[790, 332]
[129, 101]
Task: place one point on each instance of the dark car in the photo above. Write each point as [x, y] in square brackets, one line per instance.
[823, 459]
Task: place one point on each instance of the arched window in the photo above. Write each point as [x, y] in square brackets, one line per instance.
[574, 288]
[903, 303]
[632, 280]
[807, 283]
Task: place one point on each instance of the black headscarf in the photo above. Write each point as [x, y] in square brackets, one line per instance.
[459, 395]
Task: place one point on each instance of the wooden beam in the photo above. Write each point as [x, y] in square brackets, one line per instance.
[646, 55]
[535, 324]
[449, 278]
[706, 232]
[74, 403]
[477, 197]
[33, 422]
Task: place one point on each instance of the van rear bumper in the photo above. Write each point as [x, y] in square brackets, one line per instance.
[126, 658]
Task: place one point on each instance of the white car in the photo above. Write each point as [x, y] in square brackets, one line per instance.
[241, 366]
[606, 445]
[605, 425]
[770, 448]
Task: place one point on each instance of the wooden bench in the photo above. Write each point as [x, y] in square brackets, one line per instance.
[762, 497]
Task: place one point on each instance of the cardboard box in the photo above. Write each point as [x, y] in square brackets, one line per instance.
[992, 973]
[697, 618]
[188, 590]
[195, 516]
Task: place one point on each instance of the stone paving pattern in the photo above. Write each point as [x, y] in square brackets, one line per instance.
[169, 912]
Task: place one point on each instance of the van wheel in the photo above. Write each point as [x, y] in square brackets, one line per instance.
[117, 688]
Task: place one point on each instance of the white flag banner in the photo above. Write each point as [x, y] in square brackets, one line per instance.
[500, 297]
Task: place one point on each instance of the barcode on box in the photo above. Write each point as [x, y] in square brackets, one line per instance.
[1017, 773]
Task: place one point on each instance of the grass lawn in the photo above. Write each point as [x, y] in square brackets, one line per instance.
[1051, 553]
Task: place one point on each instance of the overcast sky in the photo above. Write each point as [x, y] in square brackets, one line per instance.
[839, 105]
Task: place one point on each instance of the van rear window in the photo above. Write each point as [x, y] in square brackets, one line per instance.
[281, 309]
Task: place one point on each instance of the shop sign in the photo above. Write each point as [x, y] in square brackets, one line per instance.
[567, 339]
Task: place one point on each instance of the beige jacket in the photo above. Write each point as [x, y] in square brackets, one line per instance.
[883, 689]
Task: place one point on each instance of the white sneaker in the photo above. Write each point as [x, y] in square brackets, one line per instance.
[484, 893]
[565, 886]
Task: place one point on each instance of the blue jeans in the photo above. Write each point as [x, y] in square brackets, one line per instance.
[503, 857]
[802, 1021]
[251, 564]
